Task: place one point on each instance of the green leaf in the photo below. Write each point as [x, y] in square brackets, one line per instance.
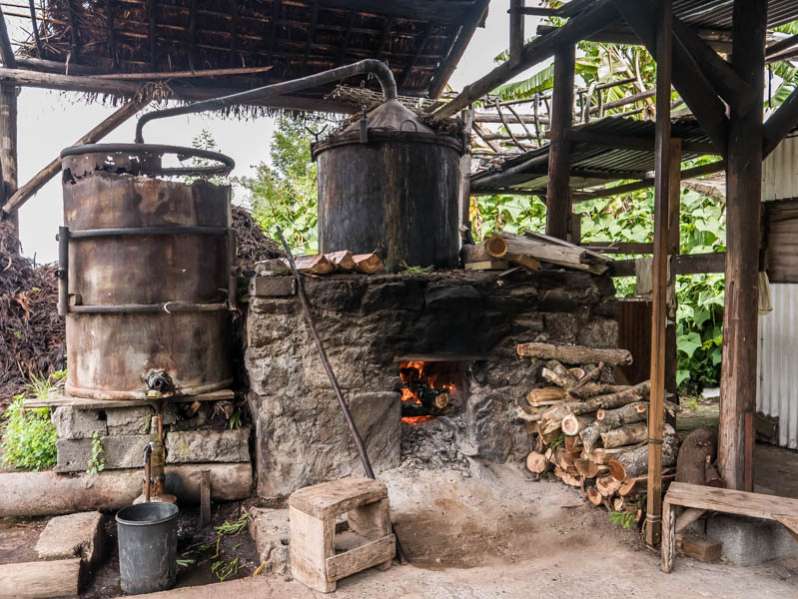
[689, 344]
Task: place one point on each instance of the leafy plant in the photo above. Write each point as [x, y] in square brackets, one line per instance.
[625, 520]
[29, 442]
[224, 569]
[40, 387]
[233, 528]
[97, 457]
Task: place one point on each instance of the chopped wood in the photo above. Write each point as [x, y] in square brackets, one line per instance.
[368, 263]
[603, 456]
[537, 463]
[474, 253]
[632, 486]
[574, 354]
[588, 377]
[590, 435]
[557, 374]
[314, 265]
[635, 461]
[573, 444]
[487, 265]
[527, 262]
[588, 468]
[507, 245]
[342, 260]
[618, 504]
[592, 389]
[593, 496]
[629, 434]
[571, 425]
[57, 578]
[566, 477]
[553, 416]
[577, 373]
[628, 414]
[607, 485]
[545, 396]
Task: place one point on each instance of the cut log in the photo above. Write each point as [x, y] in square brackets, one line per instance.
[633, 486]
[618, 504]
[629, 434]
[593, 496]
[696, 451]
[571, 425]
[607, 485]
[635, 461]
[527, 262]
[537, 463]
[588, 377]
[557, 374]
[342, 260]
[574, 354]
[628, 414]
[474, 253]
[37, 580]
[590, 436]
[588, 468]
[545, 396]
[592, 389]
[603, 456]
[488, 265]
[554, 416]
[369, 264]
[573, 445]
[577, 373]
[507, 245]
[314, 265]
[566, 477]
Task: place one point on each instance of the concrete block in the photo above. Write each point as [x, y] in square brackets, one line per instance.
[750, 541]
[71, 423]
[74, 535]
[129, 421]
[272, 287]
[270, 530]
[183, 447]
[125, 451]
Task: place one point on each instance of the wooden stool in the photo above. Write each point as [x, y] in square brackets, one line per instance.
[313, 512]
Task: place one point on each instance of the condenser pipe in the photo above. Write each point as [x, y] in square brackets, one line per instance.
[364, 67]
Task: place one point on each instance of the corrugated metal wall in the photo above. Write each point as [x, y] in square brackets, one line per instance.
[777, 371]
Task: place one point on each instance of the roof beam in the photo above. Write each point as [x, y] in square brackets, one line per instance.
[6, 51]
[691, 84]
[632, 142]
[576, 29]
[780, 123]
[436, 11]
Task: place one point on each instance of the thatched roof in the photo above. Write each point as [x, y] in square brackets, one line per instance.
[422, 40]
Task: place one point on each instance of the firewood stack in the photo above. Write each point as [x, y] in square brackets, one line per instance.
[590, 433]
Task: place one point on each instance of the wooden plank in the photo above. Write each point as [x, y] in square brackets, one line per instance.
[592, 20]
[337, 497]
[666, 150]
[574, 354]
[104, 404]
[730, 501]
[360, 558]
[668, 548]
[205, 498]
[744, 192]
[40, 580]
[185, 74]
[558, 191]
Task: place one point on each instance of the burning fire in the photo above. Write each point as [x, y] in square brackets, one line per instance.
[425, 394]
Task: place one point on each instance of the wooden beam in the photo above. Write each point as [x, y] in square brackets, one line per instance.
[686, 264]
[476, 15]
[674, 246]
[161, 75]
[717, 71]
[35, 27]
[781, 123]
[6, 51]
[632, 142]
[691, 84]
[25, 192]
[558, 192]
[517, 40]
[666, 150]
[744, 192]
[435, 11]
[716, 39]
[592, 20]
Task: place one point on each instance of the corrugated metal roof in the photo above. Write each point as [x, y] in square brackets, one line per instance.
[591, 164]
[777, 376]
[780, 172]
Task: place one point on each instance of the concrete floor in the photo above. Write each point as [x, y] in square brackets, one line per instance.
[499, 534]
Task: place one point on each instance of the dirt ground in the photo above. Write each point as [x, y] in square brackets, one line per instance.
[498, 534]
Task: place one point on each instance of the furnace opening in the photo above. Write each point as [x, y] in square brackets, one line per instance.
[429, 388]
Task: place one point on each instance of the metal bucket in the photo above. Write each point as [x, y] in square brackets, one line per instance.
[147, 547]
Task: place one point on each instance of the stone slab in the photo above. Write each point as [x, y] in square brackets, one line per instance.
[272, 287]
[270, 530]
[71, 423]
[750, 541]
[74, 535]
[129, 421]
[183, 447]
[125, 451]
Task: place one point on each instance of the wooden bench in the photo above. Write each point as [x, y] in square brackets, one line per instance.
[713, 499]
[313, 512]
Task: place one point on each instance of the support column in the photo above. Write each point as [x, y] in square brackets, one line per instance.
[744, 192]
[8, 146]
[662, 192]
[674, 245]
[516, 31]
[558, 192]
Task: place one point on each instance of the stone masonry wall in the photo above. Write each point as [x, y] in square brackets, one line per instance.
[366, 323]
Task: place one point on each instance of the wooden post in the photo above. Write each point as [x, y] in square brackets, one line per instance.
[744, 191]
[558, 192]
[464, 206]
[674, 243]
[516, 31]
[664, 155]
[8, 124]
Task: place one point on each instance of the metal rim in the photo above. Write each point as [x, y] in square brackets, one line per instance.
[225, 166]
[120, 515]
[389, 135]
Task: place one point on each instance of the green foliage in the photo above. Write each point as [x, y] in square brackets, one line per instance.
[625, 520]
[283, 193]
[233, 528]
[97, 456]
[29, 442]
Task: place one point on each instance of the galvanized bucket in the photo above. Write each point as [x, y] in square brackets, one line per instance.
[147, 547]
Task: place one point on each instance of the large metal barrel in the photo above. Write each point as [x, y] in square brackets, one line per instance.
[146, 283]
[390, 184]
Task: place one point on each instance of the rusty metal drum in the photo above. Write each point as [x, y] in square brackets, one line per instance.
[391, 184]
[146, 283]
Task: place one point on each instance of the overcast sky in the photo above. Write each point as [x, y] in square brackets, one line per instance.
[50, 121]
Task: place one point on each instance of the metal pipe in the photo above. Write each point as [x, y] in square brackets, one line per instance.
[369, 66]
